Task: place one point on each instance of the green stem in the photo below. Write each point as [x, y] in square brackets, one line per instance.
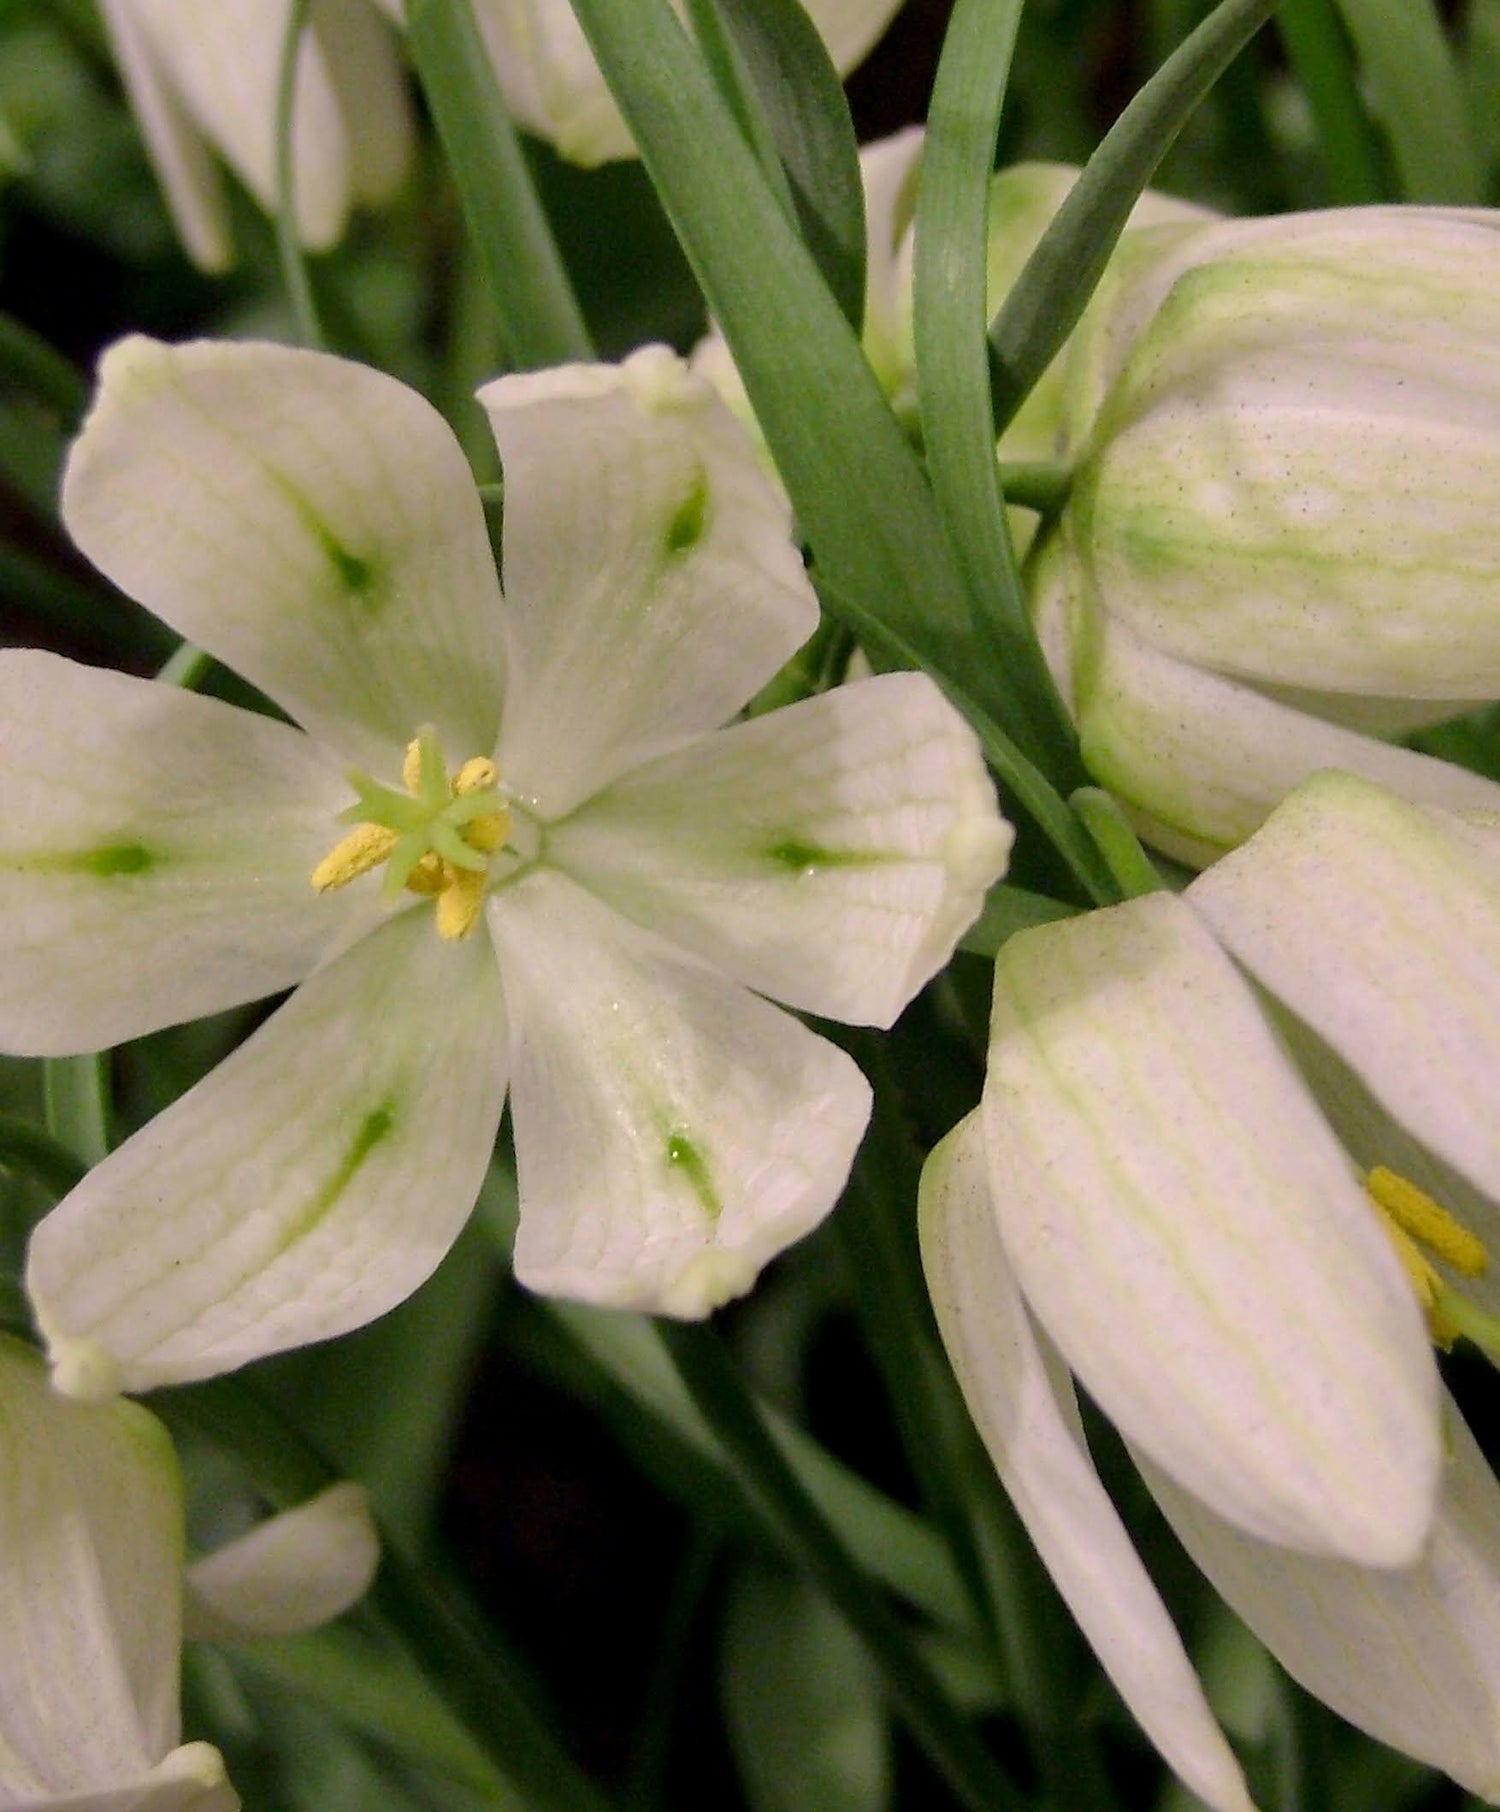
[288, 239]
[481, 1684]
[528, 284]
[721, 1394]
[75, 1104]
[1319, 54]
[1042, 485]
[1134, 872]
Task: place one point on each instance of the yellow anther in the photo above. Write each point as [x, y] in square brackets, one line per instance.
[477, 775]
[411, 767]
[429, 876]
[487, 834]
[366, 847]
[459, 903]
[1414, 1212]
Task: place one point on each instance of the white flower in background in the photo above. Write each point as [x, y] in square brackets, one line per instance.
[91, 1600]
[600, 884]
[1281, 543]
[1196, 1202]
[203, 79]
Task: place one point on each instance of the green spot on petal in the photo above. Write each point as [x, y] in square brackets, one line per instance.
[376, 1126]
[684, 1157]
[686, 528]
[108, 860]
[359, 578]
[802, 857]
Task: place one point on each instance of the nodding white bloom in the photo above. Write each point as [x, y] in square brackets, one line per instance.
[1281, 546]
[91, 1600]
[203, 79]
[587, 885]
[1227, 1213]
[555, 89]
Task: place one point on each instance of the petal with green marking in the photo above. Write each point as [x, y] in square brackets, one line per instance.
[310, 522]
[673, 1131]
[155, 855]
[651, 583]
[1189, 1232]
[1377, 923]
[829, 854]
[1024, 1409]
[305, 1186]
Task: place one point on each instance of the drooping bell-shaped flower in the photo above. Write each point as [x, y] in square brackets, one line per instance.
[91, 1600]
[509, 846]
[1239, 1224]
[1280, 549]
[203, 81]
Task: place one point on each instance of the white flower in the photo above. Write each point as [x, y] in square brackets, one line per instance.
[204, 79]
[614, 877]
[91, 1600]
[1280, 547]
[1191, 1218]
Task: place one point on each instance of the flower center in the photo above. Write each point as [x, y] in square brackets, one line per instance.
[435, 837]
[1416, 1226]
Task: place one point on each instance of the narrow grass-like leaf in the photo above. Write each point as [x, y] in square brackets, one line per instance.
[736, 85]
[1053, 290]
[951, 316]
[1418, 97]
[28, 1151]
[27, 361]
[1318, 51]
[853, 479]
[530, 290]
[802, 102]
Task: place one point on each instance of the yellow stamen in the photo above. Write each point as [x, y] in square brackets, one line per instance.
[411, 767]
[487, 834]
[430, 876]
[477, 775]
[1416, 1213]
[459, 903]
[366, 847]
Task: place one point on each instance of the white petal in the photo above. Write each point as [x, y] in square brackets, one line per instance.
[1188, 1231]
[370, 87]
[310, 522]
[829, 855]
[190, 1779]
[1378, 923]
[550, 81]
[155, 849]
[174, 144]
[1203, 759]
[651, 582]
[888, 169]
[673, 1132]
[90, 1589]
[307, 1185]
[225, 62]
[1412, 1654]
[850, 28]
[1029, 1423]
[290, 1573]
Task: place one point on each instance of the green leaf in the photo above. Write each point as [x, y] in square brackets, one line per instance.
[1418, 97]
[1053, 290]
[800, 100]
[1319, 54]
[802, 1703]
[529, 287]
[1008, 910]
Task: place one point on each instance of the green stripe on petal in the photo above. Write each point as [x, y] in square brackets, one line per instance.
[311, 523]
[308, 1184]
[1192, 1237]
[155, 849]
[651, 582]
[673, 1131]
[829, 854]
[1023, 1407]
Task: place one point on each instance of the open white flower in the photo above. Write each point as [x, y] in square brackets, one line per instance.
[1193, 1220]
[91, 1600]
[203, 79]
[1280, 547]
[596, 878]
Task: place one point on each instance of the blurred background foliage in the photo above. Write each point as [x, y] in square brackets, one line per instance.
[542, 1459]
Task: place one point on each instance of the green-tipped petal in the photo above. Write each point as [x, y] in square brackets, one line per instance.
[181, 158]
[291, 1573]
[310, 522]
[651, 583]
[1024, 1410]
[830, 854]
[370, 86]
[90, 1600]
[673, 1131]
[305, 1186]
[154, 855]
[1190, 1234]
[1410, 1654]
[1378, 923]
